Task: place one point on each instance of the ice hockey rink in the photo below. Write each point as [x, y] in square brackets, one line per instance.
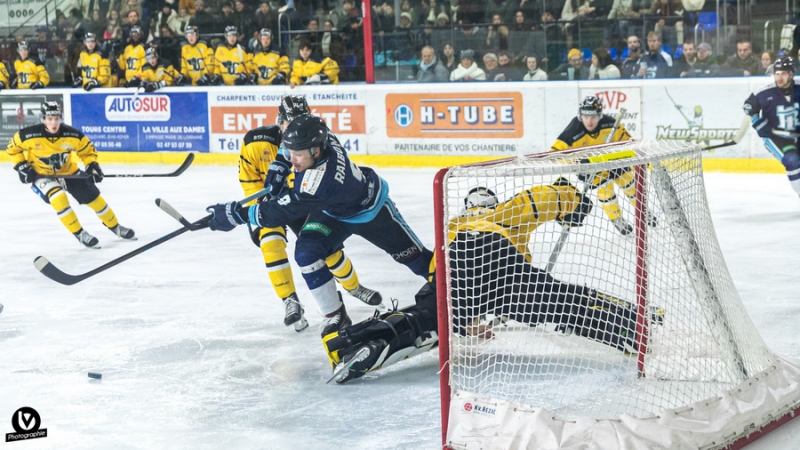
[189, 336]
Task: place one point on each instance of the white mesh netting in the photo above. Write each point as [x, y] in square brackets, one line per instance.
[621, 324]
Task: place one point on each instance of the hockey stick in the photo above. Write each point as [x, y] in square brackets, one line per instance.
[167, 208]
[49, 270]
[737, 138]
[562, 239]
[184, 165]
[676, 105]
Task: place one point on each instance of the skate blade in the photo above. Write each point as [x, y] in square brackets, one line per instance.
[342, 369]
[300, 325]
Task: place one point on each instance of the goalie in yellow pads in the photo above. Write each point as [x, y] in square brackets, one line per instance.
[592, 127]
[261, 165]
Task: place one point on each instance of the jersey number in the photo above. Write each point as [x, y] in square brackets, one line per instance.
[787, 116]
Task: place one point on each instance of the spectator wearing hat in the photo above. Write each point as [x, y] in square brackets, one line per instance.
[166, 16]
[467, 69]
[492, 68]
[573, 69]
[471, 36]
[430, 69]
[534, 72]
[132, 59]
[94, 67]
[197, 60]
[706, 65]
[29, 72]
[269, 65]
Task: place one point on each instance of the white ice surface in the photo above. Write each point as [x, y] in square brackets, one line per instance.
[189, 336]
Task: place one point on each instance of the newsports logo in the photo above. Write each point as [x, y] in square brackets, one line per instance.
[148, 108]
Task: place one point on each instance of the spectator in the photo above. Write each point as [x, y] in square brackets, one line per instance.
[472, 36]
[266, 17]
[743, 63]
[77, 19]
[181, 22]
[425, 36]
[505, 68]
[340, 17]
[29, 72]
[602, 66]
[497, 34]
[188, 4]
[331, 43]
[442, 34]
[42, 47]
[573, 69]
[413, 17]
[431, 10]
[113, 27]
[622, 11]
[169, 46]
[202, 19]
[534, 72]
[663, 9]
[630, 67]
[449, 57]
[353, 36]
[163, 19]
[127, 7]
[311, 69]
[553, 38]
[521, 22]
[503, 8]
[706, 65]
[442, 20]
[106, 6]
[225, 19]
[573, 11]
[405, 19]
[430, 69]
[244, 21]
[133, 21]
[687, 60]
[492, 66]
[96, 25]
[653, 64]
[467, 70]
[766, 62]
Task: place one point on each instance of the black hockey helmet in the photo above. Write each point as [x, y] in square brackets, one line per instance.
[305, 132]
[292, 106]
[783, 63]
[590, 106]
[50, 109]
[480, 196]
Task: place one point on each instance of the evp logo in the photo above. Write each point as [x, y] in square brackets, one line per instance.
[148, 108]
[27, 425]
[469, 114]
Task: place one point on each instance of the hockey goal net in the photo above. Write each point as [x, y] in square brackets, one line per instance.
[589, 338]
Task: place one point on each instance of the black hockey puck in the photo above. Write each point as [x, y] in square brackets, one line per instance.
[95, 375]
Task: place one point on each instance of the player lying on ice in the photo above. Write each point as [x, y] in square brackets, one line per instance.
[491, 273]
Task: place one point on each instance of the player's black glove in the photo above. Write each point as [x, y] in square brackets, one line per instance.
[578, 215]
[761, 125]
[77, 82]
[226, 216]
[149, 86]
[241, 80]
[180, 80]
[133, 82]
[25, 172]
[253, 79]
[37, 85]
[2, 85]
[203, 81]
[276, 176]
[279, 78]
[14, 83]
[324, 78]
[91, 85]
[95, 171]
[216, 80]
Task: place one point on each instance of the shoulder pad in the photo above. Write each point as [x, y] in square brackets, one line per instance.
[70, 131]
[30, 132]
[607, 121]
[764, 88]
[268, 133]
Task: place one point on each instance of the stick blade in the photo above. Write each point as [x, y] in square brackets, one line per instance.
[167, 208]
[186, 163]
[48, 269]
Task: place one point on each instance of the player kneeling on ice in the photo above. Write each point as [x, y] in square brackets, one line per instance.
[42, 154]
[261, 165]
[592, 127]
[775, 109]
[338, 199]
[488, 246]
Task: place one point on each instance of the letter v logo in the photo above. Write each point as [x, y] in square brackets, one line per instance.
[26, 421]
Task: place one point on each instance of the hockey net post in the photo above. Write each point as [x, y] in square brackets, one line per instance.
[695, 375]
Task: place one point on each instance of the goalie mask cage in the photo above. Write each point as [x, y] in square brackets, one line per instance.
[694, 372]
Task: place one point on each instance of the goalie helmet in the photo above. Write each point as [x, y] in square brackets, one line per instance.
[590, 106]
[292, 106]
[50, 109]
[784, 63]
[306, 132]
[480, 197]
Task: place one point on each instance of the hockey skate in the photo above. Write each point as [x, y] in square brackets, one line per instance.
[294, 313]
[356, 364]
[336, 320]
[87, 239]
[622, 226]
[124, 233]
[367, 295]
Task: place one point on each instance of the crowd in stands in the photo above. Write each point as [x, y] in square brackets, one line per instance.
[156, 43]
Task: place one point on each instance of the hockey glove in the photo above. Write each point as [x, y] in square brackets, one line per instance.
[279, 78]
[324, 78]
[95, 171]
[150, 87]
[2, 85]
[133, 82]
[253, 79]
[77, 82]
[14, 83]
[313, 79]
[761, 125]
[25, 172]
[226, 217]
[276, 176]
[91, 85]
[37, 85]
[241, 81]
[578, 215]
[216, 80]
[180, 80]
[203, 81]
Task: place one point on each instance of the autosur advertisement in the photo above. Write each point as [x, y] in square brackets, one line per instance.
[234, 112]
[146, 122]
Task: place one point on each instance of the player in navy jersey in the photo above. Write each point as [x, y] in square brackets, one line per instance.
[778, 108]
[340, 199]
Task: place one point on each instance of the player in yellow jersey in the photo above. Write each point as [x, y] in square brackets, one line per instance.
[592, 127]
[197, 60]
[257, 161]
[231, 61]
[5, 77]
[309, 69]
[156, 72]
[42, 154]
[29, 72]
[270, 66]
[94, 67]
[132, 59]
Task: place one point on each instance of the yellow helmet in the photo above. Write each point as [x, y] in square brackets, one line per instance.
[698, 110]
